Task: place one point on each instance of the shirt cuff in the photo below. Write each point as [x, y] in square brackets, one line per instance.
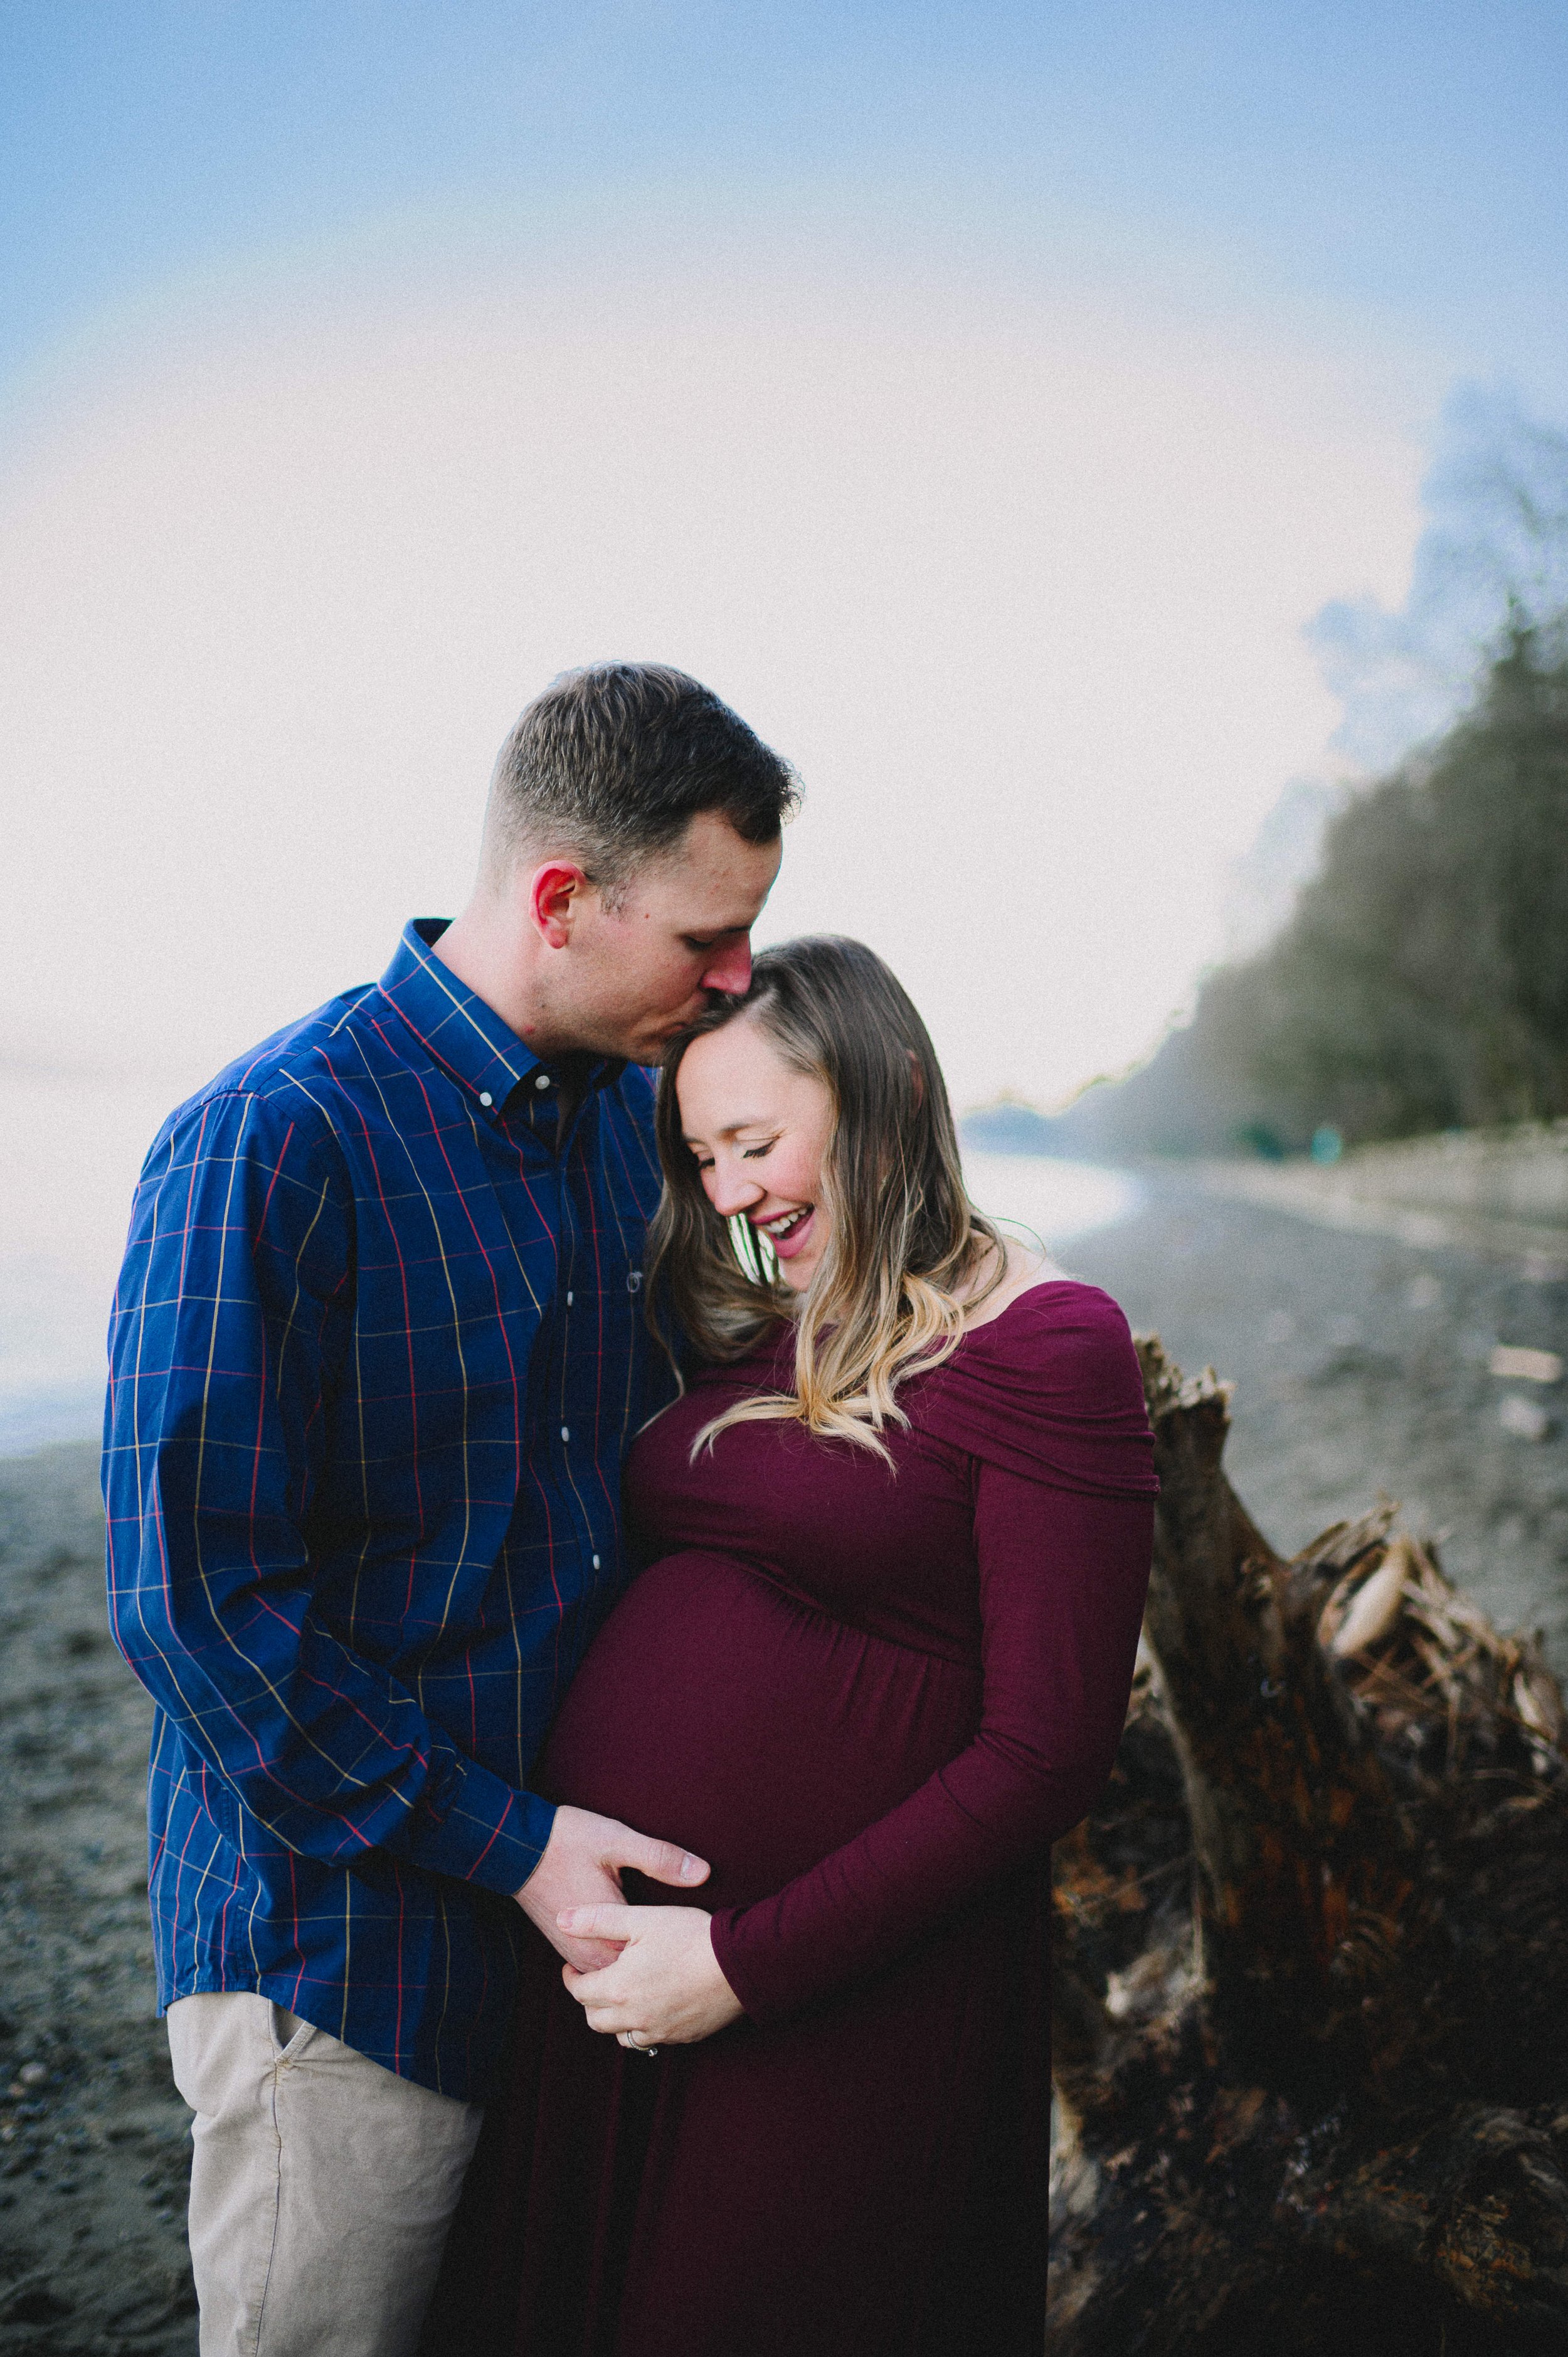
[479, 1829]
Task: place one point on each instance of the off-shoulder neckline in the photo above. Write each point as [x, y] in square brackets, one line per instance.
[970, 1334]
[1043, 1284]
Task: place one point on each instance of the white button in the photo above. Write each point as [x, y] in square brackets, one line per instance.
[485, 1097]
[542, 1082]
[595, 1562]
[568, 1301]
[565, 1434]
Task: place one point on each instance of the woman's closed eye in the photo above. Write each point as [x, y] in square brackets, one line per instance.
[747, 1154]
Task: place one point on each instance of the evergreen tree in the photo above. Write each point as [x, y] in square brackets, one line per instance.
[1421, 982]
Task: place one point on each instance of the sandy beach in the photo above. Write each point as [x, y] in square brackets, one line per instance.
[1361, 1365]
[92, 2136]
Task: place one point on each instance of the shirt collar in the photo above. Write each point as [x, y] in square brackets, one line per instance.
[457, 1026]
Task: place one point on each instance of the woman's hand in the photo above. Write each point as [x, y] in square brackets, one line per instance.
[664, 1988]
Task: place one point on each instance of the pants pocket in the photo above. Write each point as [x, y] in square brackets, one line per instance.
[289, 2033]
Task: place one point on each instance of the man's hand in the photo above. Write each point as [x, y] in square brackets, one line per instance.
[664, 1987]
[582, 1867]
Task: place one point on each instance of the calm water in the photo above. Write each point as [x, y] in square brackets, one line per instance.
[1053, 1200]
[69, 1152]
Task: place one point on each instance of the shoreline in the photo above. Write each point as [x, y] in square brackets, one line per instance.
[1361, 1362]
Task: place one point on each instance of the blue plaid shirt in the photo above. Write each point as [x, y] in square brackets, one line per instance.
[376, 1357]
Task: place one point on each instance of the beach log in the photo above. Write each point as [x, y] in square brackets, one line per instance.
[1310, 1983]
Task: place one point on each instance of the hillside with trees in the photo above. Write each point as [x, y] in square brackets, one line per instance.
[1422, 982]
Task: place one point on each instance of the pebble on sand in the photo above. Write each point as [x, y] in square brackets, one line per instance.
[1525, 1418]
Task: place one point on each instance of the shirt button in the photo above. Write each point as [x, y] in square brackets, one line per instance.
[542, 1082]
[595, 1562]
[565, 1434]
[485, 1097]
[568, 1301]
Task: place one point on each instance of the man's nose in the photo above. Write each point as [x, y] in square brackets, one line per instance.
[731, 970]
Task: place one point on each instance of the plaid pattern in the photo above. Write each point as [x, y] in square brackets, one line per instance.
[377, 1352]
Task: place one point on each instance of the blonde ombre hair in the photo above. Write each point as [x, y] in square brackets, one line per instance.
[907, 1254]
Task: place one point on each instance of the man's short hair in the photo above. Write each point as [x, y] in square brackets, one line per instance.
[611, 764]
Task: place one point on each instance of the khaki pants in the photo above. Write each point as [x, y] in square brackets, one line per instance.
[321, 2186]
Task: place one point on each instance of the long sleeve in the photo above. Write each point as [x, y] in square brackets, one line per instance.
[234, 1310]
[1062, 1581]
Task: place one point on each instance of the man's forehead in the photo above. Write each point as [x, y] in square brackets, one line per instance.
[714, 872]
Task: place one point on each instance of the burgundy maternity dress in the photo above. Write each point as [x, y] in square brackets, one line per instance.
[871, 1697]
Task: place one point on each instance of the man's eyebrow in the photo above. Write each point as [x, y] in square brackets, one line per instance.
[716, 926]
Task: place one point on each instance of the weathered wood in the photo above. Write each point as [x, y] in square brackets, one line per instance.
[1311, 1979]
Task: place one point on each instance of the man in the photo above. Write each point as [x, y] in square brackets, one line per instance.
[377, 1352]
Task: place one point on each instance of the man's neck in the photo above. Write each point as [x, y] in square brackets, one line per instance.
[482, 947]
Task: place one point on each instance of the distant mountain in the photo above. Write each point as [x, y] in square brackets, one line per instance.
[1183, 1100]
[1011, 1128]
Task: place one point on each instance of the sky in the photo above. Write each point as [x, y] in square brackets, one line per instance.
[988, 401]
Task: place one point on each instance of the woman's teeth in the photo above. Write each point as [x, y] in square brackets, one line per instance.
[786, 1221]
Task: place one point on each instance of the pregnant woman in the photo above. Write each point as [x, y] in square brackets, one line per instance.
[898, 1533]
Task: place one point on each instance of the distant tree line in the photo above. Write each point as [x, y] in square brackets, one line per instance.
[1422, 982]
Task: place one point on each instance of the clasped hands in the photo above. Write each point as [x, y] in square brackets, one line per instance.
[647, 1975]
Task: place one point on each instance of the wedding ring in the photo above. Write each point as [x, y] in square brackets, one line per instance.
[637, 2046]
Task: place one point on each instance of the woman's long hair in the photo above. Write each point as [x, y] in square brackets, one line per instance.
[904, 1240]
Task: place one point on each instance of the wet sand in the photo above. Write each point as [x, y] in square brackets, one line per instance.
[1359, 1366]
[93, 2144]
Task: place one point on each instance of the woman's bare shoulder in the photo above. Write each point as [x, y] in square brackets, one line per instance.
[1027, 1267]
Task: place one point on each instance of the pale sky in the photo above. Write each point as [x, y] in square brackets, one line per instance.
[984, 400]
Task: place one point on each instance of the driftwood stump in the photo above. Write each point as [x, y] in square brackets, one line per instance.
[1311, 1976]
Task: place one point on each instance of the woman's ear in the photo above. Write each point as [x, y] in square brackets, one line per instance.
[918, 1077]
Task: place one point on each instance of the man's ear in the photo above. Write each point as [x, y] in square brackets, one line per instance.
[554, 894]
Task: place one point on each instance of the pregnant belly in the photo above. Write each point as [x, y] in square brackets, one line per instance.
[716, 1711]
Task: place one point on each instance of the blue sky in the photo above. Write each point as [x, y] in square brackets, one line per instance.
[986, 398]
[1410, 157]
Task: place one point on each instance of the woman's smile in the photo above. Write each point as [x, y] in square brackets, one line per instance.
[786, 1231]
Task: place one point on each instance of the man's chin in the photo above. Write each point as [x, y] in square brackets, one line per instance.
[635, 1047]
[652, 1039]
[642, 1040]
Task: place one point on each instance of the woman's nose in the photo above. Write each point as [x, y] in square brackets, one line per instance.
[730, 1191]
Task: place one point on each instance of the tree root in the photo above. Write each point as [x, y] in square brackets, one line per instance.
[1311, 1978]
